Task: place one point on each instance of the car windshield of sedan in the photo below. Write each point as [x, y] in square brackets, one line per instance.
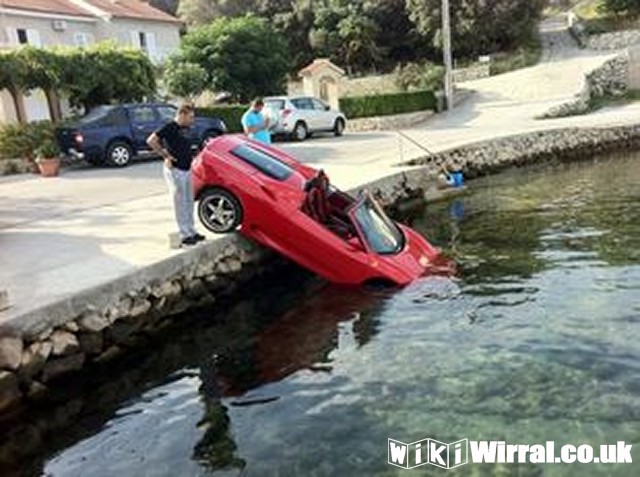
[381, 234]
[262, 161]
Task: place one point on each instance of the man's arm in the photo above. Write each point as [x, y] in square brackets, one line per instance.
[154, 142]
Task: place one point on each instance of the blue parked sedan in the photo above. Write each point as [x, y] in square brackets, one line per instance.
[115, 134]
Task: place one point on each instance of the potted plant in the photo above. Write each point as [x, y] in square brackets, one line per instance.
[48, 158]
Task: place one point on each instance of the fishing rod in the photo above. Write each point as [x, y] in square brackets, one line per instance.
[425, 149]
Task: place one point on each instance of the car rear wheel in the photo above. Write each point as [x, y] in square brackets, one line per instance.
[338, 127]
[119, 154]
[219, 211]
[300, 131]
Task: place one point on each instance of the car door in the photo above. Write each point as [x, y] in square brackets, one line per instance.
[323, 113]
[143, 122]
[306, 113]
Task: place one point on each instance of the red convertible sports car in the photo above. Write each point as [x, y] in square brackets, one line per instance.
[293, 209]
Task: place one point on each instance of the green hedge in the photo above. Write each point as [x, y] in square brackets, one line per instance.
[387, 104]
[231, 115]
[20, 141]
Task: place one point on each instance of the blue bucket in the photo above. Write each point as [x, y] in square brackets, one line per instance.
[457, 179]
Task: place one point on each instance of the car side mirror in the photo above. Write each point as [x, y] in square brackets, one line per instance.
[327, 107]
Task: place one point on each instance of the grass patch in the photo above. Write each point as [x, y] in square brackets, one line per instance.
[527, 55]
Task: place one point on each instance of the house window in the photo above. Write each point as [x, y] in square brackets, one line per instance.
[146, 42]
[143, 40]
[23, 36]
[23, 39]
[82, 39]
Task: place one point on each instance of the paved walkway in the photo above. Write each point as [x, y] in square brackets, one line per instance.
[90, 226]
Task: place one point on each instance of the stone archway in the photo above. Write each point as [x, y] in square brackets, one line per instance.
[322, 79]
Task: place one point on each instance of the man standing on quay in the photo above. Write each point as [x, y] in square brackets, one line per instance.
[171, 142]
[255, 123]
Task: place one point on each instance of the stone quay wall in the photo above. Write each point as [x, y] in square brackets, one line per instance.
[569, 144]
[101, 324]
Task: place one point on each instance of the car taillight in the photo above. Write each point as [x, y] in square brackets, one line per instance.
[285, 113]
[78, 138]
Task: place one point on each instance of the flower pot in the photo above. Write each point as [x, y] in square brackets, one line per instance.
[49, 167]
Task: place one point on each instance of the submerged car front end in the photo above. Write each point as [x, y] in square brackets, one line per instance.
[396, 253]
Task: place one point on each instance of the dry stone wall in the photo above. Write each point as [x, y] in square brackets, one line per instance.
[610, 79]
[616, 40]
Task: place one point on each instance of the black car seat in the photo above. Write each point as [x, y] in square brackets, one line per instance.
[316, 204]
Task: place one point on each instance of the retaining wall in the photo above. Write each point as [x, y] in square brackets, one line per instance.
[611, 79]
[99, 325]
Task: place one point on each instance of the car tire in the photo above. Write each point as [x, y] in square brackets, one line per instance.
[300, 131]
[119, 154]
[338, 127]
[219, 211]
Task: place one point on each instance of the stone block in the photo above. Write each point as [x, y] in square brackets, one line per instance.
[71, 327]
[60, 366]
[64, 343]
[37, 391]
[93, 322]
[139, 307]
[9, 390]
[91, 343]
[10, 352]
[32, 363]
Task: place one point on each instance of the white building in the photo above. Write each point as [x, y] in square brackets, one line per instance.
[44, 23]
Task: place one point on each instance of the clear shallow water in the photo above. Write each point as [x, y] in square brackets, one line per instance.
[537, 339]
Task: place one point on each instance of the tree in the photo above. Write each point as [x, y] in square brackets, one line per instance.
[196, 12]
[184, 79]
[396, 34]
[42, 69]
[479, 26]
[202, 12]
[618, 7]
[167, 6]
[245, 56]
[12, 74]
[344, 31]
[295, 25]
[104, 73]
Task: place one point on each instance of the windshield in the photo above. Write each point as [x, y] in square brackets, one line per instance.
[95, 114]
[381, 234]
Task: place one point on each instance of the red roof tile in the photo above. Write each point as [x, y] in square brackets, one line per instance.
[132, 9]
[320, 63]
[60, 7]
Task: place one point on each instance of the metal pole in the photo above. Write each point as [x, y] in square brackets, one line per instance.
[446, 51]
